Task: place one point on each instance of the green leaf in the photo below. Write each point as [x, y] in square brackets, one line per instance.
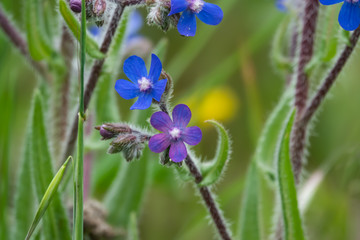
[47, 198]
[133, 232]
[55, 223]
[91, 46]
[265, 150]
[249, 224]
[39, 45]
[128, 189]
[212, 171]
[285, 178]
[25, 194]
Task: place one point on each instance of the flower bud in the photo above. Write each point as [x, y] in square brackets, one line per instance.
[75, 5]
[130, 145]
[111, 130]
[158, 15]
[99, 7]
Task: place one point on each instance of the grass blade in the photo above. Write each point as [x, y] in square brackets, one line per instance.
[47, 198]
[249, 224]
[286, 182]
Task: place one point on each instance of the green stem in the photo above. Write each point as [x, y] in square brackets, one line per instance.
[79, 171]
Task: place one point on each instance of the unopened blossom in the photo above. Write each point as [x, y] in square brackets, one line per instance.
[174, 132]
[207, 12]
[349, 16]
[142, 85]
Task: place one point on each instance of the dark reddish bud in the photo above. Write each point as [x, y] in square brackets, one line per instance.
[75, 5]
[109, 130]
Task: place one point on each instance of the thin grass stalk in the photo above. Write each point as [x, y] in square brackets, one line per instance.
[79, 171]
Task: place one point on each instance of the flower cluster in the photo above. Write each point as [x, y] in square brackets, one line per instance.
[147, 87]
[349, 16]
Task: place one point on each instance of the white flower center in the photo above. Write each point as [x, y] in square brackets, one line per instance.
[144, 84]
[352, 1]
[175, 133]
[196, 5]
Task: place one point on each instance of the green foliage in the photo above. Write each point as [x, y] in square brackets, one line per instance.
[133, 232]
[47, 198]
[249, 224]
[286, 182]
[127, 192]
[39, 46]
[213, 170]
[37, 170]
[92, 47]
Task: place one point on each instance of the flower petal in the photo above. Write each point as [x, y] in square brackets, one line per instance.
[211, 14]
[155, 68]
[126, 89]
[161, 121]
[134, 68]
[187, 24]
[177, 151]
[192, 135]
[159, 142]
[143, 102]
[349, 16]
[158, 89]
[178, 6]
[330, 2]
[181, 115]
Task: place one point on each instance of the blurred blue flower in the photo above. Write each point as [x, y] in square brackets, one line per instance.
[142, 85]
[174, 132]
[281, 5]
[349, 16]
[134, 25]
[207, 12]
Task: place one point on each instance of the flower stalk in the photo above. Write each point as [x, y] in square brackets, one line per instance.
[78, 218]
[298, 135]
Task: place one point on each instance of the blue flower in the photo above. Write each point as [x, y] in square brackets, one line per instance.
[142, 85]
[281, 5]
[349, 16]
[208, 13]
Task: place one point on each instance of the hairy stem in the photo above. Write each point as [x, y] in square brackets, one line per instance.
[330, 79]
[298, 134]
[78, 218]
[209, 200]
[94, 77]
[306, 51]
[16, 38]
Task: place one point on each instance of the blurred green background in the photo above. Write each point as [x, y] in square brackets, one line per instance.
[249, 87]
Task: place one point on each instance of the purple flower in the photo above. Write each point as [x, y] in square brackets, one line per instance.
[349, 16]
[175, 132]
[142, 85]
[207, 12]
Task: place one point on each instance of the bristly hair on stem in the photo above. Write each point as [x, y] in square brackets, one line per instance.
[298, 135]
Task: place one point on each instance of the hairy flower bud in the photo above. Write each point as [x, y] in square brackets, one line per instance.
[130, 145]
[158, 15]
[99, 7]
[75, 5]
[111, 130]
